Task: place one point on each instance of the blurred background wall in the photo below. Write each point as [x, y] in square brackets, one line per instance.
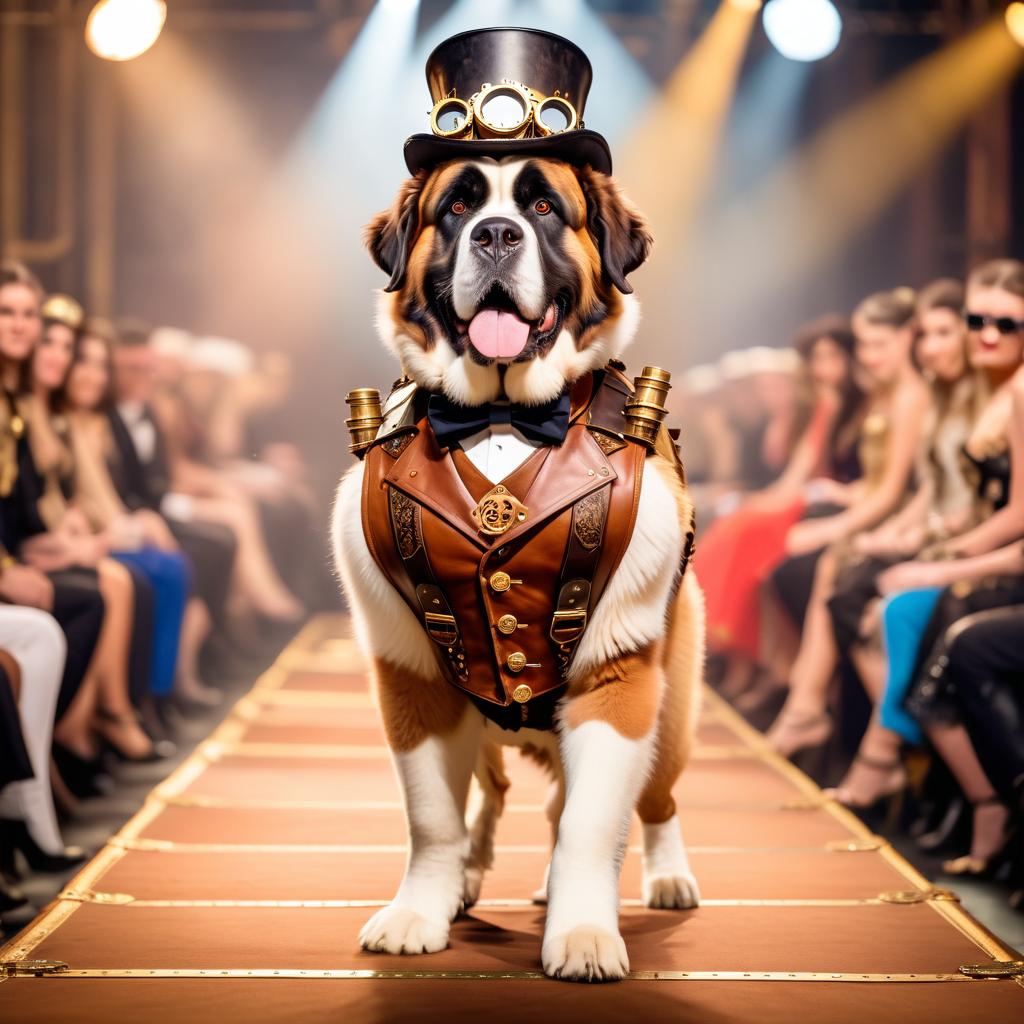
[220, 181]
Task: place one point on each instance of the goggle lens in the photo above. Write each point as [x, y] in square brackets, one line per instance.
[504, 110]
[451, 120]
[555, 115]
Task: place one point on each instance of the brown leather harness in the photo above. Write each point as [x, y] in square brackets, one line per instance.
[506, 612]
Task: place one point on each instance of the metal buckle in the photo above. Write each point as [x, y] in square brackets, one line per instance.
[441, 627]
[562, 631]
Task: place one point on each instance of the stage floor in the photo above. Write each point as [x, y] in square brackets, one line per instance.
[237, 893]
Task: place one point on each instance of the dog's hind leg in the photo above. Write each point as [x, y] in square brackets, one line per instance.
[553, 805]
[487, 801]
[434, 734]
[668, 880]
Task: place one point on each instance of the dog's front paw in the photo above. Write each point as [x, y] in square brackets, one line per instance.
[671, 891]
[587, 953]
[400, 930]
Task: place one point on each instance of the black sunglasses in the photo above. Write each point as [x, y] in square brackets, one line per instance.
[1003, 324]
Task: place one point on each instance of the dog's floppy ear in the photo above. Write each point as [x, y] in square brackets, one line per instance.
[390, 235]
[621, 232]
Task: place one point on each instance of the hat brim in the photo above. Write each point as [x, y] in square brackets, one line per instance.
[579, 147]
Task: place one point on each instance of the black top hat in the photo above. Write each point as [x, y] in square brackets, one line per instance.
[546, 64]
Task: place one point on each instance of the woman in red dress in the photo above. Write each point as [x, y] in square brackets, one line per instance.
[746, 545]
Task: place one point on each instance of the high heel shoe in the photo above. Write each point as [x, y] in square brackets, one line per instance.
[792, 732]
[985, 867]
[888, 798]
[159, 750]
[84, 777]
[14, 835]
[11, 898]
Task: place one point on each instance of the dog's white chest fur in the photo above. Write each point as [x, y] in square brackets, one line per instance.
[498, 450]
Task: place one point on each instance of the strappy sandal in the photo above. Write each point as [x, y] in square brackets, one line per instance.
[794, 732]
[897, 784]
[984, 867]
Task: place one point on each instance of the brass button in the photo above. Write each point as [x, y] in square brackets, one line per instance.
[522, 693]
[500, 581]
[508, 623]
[516, 661]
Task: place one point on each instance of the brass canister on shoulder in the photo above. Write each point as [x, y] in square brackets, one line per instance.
[366, 418]
[646, 409]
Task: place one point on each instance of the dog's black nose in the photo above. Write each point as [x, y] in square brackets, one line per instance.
[497, 238]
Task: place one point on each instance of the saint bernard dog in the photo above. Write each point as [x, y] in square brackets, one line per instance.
[508, 278]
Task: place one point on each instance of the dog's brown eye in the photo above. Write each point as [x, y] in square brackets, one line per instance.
[542, 206]
[458, 207]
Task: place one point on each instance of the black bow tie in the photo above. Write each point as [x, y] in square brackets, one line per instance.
[546, 423]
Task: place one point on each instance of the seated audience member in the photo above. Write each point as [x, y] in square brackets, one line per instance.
[898, 401]
[986, 671]
[51, 448]
[230, 392]
[198, 491]
[93, 610]
[139, 538]
[941, 503]
[32, 651]
[974, 573]
[747, 545]
[139, 469]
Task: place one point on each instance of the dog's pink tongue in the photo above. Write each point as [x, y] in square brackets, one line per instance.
[498, 334]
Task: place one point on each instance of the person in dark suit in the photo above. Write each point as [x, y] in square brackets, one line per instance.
[140, 472]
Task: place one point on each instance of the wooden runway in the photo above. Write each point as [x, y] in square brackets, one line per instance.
[237, 892]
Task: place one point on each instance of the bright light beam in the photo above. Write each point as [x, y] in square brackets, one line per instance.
[667, 161]
[817, 201]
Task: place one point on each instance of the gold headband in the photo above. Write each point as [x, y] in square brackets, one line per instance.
[503, 110]
[63, 309]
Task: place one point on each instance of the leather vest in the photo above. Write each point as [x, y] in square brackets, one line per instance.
[506, 610]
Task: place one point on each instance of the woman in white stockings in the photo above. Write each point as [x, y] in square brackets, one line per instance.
[35, 643]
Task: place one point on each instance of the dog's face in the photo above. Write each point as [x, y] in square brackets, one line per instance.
[507, 275]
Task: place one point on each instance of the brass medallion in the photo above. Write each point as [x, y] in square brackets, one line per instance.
[516, 661]
[498, 511]
[903, 896]
[522, 693]
[508, 623]
[500, 581]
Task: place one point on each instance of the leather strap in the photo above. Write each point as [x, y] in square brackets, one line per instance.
[438, 620]
[579, 565]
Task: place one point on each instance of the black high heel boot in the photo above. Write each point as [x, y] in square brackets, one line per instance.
[159, 750]
[14, 835]
[11, 898]
[84, 777]
[952, 830]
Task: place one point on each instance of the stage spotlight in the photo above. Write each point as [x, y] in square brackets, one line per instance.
[124, 29]
[802, 29]
[1015, 22]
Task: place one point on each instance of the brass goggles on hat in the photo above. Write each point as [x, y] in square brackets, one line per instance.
[504, 110]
